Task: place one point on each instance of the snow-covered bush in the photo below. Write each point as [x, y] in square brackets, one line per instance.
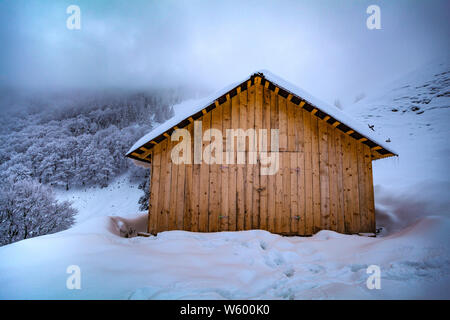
[29, 209]
[141, 177]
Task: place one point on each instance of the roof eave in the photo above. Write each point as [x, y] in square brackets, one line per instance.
[379, 150]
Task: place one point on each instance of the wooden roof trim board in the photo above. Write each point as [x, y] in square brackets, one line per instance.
[380, 152]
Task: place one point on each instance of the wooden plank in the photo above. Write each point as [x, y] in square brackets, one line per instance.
[265, 112]
[195, 204]
[347, 182]
[232, 168]
[334, 191]
[299, 137]
[340, 217]
[271, 179]
[315, 160]
[164, 177]
[278, 180]
[286, 217]
[355, 188]
[293, 167]
[249, 176]
[283, 123]
[189, 206]
[324, 176]
[203, 221]
[364, 217]
[154, 193]
[292, 144]
[370, 201]
[172, 224]
[181, 196]
[285, 166]
[294, 197]
[225, 169]
[307, 171]
[240, 176]
[258, 107]
[215, 180]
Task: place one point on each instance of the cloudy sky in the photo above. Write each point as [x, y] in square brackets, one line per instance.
[322, 46]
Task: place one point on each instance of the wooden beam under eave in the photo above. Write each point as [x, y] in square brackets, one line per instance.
[302, 103]
[165, 134]
[376, 148]
[266, 85]
[140, 156]
[326, 118]
[238, 89]
[204, 111]
[336, 123]
[153, 142]
[216, 103]
[376, 155]
[135, 154]
[276, 90]
[314, 111]
[289, 97]
[146, 154]
[350, 132]
[362, 139]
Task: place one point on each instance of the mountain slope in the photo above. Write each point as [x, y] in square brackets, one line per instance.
[414, 112]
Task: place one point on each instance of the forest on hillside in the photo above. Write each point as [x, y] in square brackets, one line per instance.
[67, 140]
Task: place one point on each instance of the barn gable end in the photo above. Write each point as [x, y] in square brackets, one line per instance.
[324, 179]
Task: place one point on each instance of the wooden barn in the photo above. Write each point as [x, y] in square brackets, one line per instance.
[323, 179]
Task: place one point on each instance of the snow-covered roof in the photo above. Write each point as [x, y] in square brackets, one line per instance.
[185, 110]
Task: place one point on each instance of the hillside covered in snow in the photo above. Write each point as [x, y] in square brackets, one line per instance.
[412, 251]
[414, 112]
[69, 145]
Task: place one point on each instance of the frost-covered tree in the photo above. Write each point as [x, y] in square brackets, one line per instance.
[141, 176]
[29, 209]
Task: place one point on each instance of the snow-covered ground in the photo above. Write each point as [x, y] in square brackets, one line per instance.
[229, 265]
[119, 198]
[413, 251]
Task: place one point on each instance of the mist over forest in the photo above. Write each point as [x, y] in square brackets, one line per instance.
[66, 139]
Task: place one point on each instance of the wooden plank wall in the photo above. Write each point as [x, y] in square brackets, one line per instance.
[324, 179]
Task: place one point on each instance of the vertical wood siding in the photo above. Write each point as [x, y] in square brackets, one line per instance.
[324, 179]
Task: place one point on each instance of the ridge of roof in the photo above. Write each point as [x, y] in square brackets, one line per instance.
[192, 107]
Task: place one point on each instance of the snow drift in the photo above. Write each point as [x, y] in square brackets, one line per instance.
[228, 265]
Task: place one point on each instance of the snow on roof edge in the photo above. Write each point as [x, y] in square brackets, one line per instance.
[196, 106]
[200, 104]
[330, 110]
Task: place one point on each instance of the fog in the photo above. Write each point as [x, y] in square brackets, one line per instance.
[322, 46]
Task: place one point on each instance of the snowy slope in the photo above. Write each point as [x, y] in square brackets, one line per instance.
[411, 203]
[229, 265]
[414, 112]
[120, 198]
